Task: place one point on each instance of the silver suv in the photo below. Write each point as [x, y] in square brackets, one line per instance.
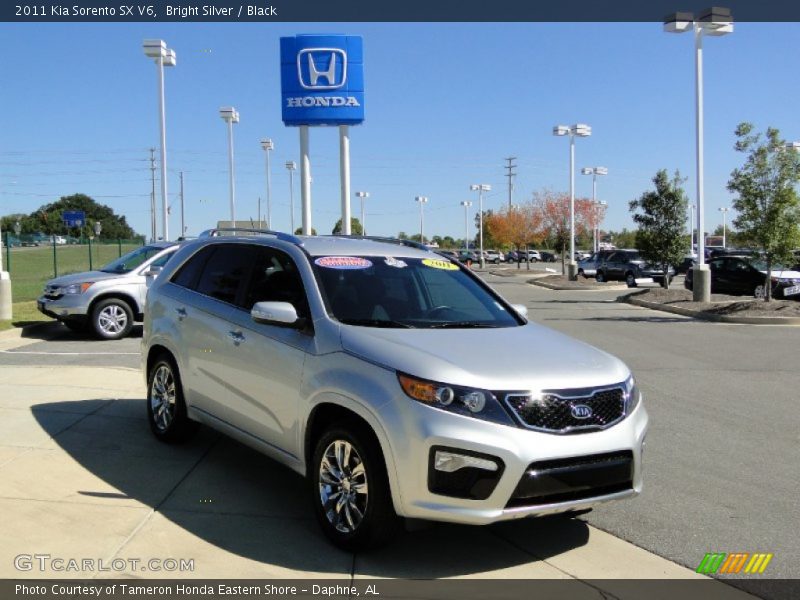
[391, 378]
[108, 300]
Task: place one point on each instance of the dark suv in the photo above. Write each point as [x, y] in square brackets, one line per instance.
[628, 266]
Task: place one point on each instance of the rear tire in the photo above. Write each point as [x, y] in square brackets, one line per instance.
[350, 489]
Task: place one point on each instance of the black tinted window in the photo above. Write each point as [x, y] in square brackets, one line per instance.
[189, 273]
[274, 279]
[224, 273]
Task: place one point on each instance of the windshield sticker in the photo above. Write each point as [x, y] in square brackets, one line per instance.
[439, 264]
[393, 262]
[343, 262]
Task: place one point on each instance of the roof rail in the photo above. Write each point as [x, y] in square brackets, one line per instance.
[286, 237]
[388, 240]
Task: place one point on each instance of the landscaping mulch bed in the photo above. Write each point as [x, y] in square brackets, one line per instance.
[721, 304]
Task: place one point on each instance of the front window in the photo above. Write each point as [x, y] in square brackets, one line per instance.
[383, 291]
[132, 260]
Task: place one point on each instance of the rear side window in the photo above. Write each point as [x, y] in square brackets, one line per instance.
[189, 273]
[224, 273]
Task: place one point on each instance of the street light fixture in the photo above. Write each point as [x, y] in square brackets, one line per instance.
[480, 188]
[230, 115]
[466, 204]
[594, 172]
[362, 196]
[291, 166]
[579, 130]
[268, 146]
[422, 201]
[715, 22]
[164, 57]
[724, 210]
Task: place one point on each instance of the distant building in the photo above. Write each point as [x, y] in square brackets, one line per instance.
[249, 224]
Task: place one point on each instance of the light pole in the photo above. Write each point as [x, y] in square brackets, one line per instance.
[691, 231]
[724, 210]
[466, 204]
[714, 22]
[594, 172]
[230, 115]
[580, 130]
[268, 146]
[596, 209]
[422, 201]
[291, 166]
[480, 188]
[362, 196]
[164, 57]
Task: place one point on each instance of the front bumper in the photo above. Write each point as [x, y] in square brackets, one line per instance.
[67, 307]
[517, 451]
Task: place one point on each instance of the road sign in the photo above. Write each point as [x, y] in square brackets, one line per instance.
[73, 218]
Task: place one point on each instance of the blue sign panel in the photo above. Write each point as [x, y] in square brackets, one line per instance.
[74, 218]
[322, 80]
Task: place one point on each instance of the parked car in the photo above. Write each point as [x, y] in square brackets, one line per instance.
[466, 256]
[495, 257]
[746, 276]
[107, 301]
[513, 256]
[588, 266]
[391, 379]
[628, 266]
[58, 240]
[547, 256]
[451, 254]
[582, 254]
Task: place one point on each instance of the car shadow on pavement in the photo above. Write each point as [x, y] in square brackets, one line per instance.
[628, 319]
[227, 499]
[55, 330]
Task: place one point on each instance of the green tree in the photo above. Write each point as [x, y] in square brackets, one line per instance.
[660, 215]
[48, 219]
[766, 202]
[299, 231]
[355, 227]
[488, 240]
[623, 239]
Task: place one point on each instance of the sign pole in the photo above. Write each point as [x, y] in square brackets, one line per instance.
[305, 180]
[344, 174]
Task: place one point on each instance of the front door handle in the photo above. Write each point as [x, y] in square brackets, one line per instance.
[181, 313]
[236, 336]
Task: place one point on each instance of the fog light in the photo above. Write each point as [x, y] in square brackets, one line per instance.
[475, 401]
[450, 462]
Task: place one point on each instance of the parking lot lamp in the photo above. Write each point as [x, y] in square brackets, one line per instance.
[230, 115]
[362, 196]
[594, 172]
[291, 166]
[724, 210]
[466, 204]
[691, 230]
[579, 130]
[715, 22]
[422, 201]
[268, 146]
[164, 57]
[480, 188]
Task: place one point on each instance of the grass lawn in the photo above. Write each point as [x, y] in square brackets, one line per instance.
[24, 313]
[30, 268]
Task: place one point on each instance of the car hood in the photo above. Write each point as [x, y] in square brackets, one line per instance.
[85, 276]
[518, 358]
[784, 274]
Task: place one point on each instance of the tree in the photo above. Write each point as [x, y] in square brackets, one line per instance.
[355, 227]
[623, 239]
[299, 231]
[517, 226]
[766, 202]
[661, 216]
[488, 240]
[554, 208]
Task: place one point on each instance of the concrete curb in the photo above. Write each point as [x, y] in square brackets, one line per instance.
[704, 316]
[550, 286]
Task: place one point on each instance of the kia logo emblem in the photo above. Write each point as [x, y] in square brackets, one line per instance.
[581, 411]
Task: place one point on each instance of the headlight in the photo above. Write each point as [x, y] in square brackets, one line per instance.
[77, 288]
[632, 395]
[469, 402]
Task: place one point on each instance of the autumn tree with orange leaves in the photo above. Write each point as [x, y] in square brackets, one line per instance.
[554, 210]
[519, 226]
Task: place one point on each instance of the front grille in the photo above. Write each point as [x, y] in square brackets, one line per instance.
[52, 292]
[569, 411]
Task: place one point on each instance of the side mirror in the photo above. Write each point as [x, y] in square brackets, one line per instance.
[276, 313]
[153, 271]
[521, 309]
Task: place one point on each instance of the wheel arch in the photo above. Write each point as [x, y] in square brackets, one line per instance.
[127, 298]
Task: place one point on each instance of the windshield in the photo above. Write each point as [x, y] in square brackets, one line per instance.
[130, 261]
[407, 293]
[761, 265]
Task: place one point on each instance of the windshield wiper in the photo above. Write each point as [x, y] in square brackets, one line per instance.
[462, 325]
[376, 323]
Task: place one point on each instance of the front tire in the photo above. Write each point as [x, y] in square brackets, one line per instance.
[166, 408]
[600, 277]
[630, 280]
[350, 489]
[112, 319]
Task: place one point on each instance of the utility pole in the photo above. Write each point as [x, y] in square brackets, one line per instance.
[183, 210]
[511, 174]
[153, 195]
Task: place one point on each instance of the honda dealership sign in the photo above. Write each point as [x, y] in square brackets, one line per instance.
[322, 80]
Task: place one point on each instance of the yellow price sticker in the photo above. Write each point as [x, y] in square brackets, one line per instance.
[439, 264]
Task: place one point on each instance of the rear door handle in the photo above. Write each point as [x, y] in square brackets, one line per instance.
[181, 313]
[236, 336]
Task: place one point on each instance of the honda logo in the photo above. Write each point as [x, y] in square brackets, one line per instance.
[322, 68]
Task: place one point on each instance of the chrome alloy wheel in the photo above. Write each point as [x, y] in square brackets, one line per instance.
[343, 486]
[163, 397]
[112, 319]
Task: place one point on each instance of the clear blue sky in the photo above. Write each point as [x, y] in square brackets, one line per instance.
[445, 103]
